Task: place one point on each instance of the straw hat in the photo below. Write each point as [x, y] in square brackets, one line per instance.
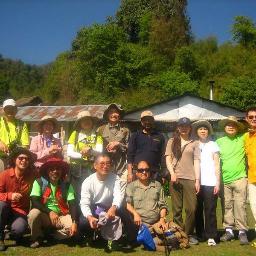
[54, 162]
[202, 123]
[231, 119]
[45, 119]
[84, 114]
[117, 107]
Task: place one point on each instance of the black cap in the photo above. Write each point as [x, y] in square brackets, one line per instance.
[184, 121]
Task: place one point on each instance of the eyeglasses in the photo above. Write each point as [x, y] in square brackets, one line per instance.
[21, 158]
[141, 170]
[105, 163]
[251, 117]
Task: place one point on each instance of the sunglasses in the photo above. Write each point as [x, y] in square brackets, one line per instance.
[251, 117]
[21, 158]
[141, 170]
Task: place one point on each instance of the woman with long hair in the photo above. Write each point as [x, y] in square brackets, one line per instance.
[183, 162]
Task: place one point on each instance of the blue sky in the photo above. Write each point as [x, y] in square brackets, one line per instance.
[36, 31]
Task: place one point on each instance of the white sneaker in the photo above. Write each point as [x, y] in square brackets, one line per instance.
[211, 242]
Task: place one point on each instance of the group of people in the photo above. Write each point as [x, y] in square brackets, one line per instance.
[113, 180]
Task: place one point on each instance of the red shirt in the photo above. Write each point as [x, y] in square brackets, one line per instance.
[9, 184]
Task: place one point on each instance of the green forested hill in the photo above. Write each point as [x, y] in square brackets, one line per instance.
[145, 54]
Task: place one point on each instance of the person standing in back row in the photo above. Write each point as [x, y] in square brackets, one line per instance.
[148, 145]
[115, 141]
[233, 169]
[13, 132]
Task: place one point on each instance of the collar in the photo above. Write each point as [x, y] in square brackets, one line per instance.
[12, 172]
[151, 184]
[113, 126]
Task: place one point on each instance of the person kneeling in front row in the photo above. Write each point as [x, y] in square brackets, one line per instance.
[53, 203]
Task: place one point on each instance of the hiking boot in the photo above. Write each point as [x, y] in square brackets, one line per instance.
[211, 242]
[2, 246]
[192, 240]
[227, 237]
[243, 238]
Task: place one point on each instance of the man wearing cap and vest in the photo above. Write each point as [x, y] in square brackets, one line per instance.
[148, 145]
[233, 170]
[115, 140]
[53, 203]
[83, 145]
[13, 132]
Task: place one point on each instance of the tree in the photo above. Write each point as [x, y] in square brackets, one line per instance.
[240, 92]
[244, 31]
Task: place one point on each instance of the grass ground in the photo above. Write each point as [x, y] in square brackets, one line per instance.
[67, 249]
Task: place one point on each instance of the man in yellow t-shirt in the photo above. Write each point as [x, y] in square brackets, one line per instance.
[250, 146]
[12, 131]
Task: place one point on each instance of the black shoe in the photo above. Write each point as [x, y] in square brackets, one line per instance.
[243, 238]
[2, 246]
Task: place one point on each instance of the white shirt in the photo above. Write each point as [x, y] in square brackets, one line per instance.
[208, 175]
[104, 193]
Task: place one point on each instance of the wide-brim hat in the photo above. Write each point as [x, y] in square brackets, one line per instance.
[54, 161]
[117, 107]
[202, 123]
[16, 151]
[85, 114]
[231, 119]
[45, 119]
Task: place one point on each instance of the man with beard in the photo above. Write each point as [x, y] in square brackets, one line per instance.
[148, 145]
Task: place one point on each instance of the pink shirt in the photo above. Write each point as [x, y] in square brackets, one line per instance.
[39, 146]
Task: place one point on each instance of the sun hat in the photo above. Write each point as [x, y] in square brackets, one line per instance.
[84, 114]
[146, 113]
[231, 119]
[202, 123]
[117, 107]
[9, 102]
[54, 161]
[45, 119]
[184, 121]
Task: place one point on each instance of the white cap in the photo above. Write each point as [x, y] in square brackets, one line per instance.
[9, 102]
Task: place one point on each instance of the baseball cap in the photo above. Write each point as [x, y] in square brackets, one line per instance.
[146, 113]
[9, 102]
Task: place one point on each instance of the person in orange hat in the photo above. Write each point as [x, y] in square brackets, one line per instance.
[53, 203]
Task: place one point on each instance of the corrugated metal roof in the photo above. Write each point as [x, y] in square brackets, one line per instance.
[61, 113]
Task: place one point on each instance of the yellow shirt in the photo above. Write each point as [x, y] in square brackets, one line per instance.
[11, 131]
[250, 148]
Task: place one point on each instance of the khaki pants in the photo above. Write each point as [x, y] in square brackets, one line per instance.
[184, 191]
[235, 194]
[39, 222]
[123, 181]
[252, 198]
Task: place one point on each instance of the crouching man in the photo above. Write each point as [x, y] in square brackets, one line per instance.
[15, 186]
[53, 203]
[145, 201]
[101, 197]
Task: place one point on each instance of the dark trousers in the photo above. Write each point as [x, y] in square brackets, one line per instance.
[184, 191]
[206, 222]
[17, 221]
